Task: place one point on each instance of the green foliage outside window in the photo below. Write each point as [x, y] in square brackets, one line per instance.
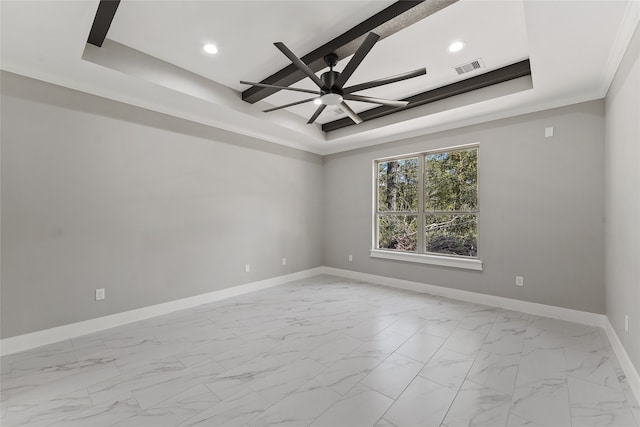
[448, 216]
[398, 232]
[398, 185]
[398, 192]
[451, 181]
[452, 234]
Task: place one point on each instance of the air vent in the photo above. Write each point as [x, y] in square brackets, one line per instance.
[468, 67]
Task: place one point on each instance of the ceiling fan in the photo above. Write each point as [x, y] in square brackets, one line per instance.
[331, 83]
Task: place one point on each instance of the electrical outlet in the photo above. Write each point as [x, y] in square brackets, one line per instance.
[99, 294]
[284, 261]
[548, 132]
[519, 281]
[247, 268]
[626, 323]
[350, 258]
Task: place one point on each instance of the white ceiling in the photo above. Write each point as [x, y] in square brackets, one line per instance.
[244, 32]
[574, 48]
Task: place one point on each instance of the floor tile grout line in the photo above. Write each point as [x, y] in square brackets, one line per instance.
[416, 375]
[288, 394]
[460, 387]
[403, 390]
[387, 357]
[567, 375]
[564, 357]
[515, 382]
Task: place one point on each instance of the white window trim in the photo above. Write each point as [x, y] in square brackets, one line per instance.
[440, 260]
[452, 261]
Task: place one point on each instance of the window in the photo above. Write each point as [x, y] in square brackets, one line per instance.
[427, 204]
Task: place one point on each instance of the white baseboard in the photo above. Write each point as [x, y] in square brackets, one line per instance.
[61, 333]
[584, 317]
[633, 379]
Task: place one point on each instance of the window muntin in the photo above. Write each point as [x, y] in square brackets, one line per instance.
[435, 192]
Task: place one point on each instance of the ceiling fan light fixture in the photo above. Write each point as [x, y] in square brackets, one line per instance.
[317, 101]
[210, 48]
[331, 99]
[456, 46]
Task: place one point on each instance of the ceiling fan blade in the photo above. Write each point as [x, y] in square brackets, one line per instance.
[298, 63]
[357, 58]
[386, 80]
[349, 112]
[289, 105]
[319, 110]
[315, 92]
[381, 101]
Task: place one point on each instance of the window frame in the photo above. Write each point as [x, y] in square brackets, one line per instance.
[421, 255]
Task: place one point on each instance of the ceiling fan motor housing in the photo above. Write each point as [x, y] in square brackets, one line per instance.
[329, 79]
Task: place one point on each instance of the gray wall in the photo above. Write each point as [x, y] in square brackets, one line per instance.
[622, 184]
[541, 208]
[98, 194]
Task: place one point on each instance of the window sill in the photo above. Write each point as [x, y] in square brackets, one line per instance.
[444, 261]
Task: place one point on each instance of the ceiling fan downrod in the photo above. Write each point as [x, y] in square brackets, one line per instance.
[331, 94]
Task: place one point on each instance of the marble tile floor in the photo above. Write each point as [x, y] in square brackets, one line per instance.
[330, 352]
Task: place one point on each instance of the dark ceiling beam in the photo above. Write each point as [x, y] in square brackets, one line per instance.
[102, 21]
[510, 72]
[384, 23]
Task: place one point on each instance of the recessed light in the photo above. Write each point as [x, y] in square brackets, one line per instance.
[456, 46]
[210, 48]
